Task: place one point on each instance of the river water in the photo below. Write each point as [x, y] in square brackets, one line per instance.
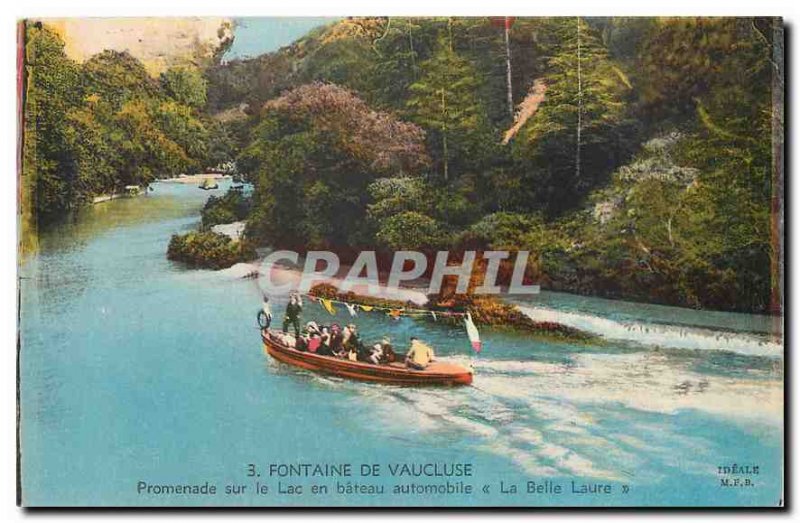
[136, 369]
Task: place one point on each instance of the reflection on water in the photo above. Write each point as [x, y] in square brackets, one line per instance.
[136, 368]
[166, 201]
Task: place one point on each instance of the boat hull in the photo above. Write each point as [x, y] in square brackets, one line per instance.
[437, 373]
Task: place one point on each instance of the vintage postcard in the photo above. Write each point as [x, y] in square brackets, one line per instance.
[401, 262]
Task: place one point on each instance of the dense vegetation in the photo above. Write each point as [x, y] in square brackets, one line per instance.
[312, 156]
[637, 162]
[209, 250]
[95, 127]
[633, 159]
[233, 206]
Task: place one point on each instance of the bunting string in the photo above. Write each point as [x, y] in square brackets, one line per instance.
[328, 305]
[397, 312]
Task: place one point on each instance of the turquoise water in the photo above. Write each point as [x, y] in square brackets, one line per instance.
[136, 369]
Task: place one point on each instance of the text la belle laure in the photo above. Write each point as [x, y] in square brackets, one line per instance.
[459, 471]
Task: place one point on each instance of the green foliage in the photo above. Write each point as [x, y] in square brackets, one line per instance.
[577, 135]
[686, 59]
[504, 230]
[115, 78]
[673, 233]
[249, 82]
[181, 124]
[396, 195]
[208, 250]
[650, 178]
[313, 155]
[185, 85]
[234, 206]
[410, 230]
[444, 101]
[97, 127]
[52, 82]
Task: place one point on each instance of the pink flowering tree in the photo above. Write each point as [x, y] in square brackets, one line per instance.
[312, 157]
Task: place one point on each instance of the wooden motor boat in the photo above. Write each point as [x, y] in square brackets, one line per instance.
[437, 373]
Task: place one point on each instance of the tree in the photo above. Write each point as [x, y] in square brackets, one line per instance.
[181, 124]
[144, 150]
[579, 132]
[87, 137]
[411, 230]
[52, 82]
[116, 77]
[392, 196]
[312, 156]
[444, 102]
[185, 85]
[686, 59]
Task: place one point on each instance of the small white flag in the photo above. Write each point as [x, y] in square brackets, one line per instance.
[351, 309]
[472, 333]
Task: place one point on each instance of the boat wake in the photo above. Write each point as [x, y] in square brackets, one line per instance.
[661, 335]
[603, 416]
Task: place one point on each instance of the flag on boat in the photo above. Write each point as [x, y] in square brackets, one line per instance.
[472, 332]
[326, 303]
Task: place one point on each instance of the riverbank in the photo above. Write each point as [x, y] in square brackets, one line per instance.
[115, 196]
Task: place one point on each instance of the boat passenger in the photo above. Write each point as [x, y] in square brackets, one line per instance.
[337, 341]
[312, 328]
[351, 341]
[389, 356]
[292, 316]
[376, 354]
[349, 335]
[325, 343]
[314, 342]
[419, 355]
[311, 336]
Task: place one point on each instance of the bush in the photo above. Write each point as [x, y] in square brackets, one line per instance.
[504, 229]
[232, 207]
[411, 230]
[208, 250]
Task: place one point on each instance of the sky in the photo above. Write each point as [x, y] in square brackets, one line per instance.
[255, 36]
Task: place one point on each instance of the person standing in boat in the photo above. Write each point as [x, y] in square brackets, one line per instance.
[293, 311]
[419, 355]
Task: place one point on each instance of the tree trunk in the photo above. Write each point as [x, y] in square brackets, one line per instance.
[776, 216]
[509, 91]
[444, 134]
